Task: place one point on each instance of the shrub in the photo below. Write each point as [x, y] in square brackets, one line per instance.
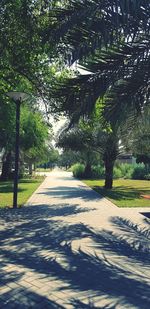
[147, 177]
[117, 173]
[98, 171]
[123, 170]
[139, 172]
[78, 170]
[130, 171]
[126, 170]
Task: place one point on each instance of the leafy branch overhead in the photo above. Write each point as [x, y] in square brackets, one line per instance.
[109, 38]
[115, 53]
[86, 25]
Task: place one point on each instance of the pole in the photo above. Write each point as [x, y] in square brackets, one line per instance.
[16, 154]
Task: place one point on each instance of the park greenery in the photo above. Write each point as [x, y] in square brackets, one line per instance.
[35, 138]
[117, 73]
[125, 192]
[106, 104]
[121, 170]
[26, 188]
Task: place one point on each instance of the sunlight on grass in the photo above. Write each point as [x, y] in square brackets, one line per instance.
[125, 193]
[43, 170]
[25, 190]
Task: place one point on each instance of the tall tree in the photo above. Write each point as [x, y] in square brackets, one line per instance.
[34, 138]
[139, 141]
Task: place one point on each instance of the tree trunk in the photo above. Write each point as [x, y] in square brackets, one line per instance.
[109, 165]
[6, 166]
[30, 169]
[88, 170]
[147, 167]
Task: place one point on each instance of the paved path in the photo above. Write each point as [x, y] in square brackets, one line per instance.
[71, 248]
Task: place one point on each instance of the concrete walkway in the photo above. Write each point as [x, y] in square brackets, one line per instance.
[71, 248]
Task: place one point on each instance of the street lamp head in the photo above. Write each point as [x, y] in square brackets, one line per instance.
[18, 96]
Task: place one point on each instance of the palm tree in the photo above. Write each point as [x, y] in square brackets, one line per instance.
[92, 139]
[110, 39]
[79, 139]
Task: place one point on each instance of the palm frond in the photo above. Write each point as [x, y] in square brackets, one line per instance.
[85, 25]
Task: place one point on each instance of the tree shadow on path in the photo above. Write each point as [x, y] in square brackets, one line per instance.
[112, 269]
[63, 192]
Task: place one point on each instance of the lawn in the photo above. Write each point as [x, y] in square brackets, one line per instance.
[25, 189]
[125, 193]
[43, 170]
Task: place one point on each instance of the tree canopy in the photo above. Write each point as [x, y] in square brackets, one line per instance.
[110, 39]
[40, 39]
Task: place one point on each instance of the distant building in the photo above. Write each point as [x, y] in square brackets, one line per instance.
[126, 158]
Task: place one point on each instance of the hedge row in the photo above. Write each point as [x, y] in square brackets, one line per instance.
[124, 170]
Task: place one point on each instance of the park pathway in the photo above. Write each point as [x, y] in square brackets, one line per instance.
[69, 247]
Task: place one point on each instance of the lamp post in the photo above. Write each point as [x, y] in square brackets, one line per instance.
[18, 98]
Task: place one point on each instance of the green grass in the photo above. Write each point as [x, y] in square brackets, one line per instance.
[43, 169]
[125, 193]
[25, 189]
